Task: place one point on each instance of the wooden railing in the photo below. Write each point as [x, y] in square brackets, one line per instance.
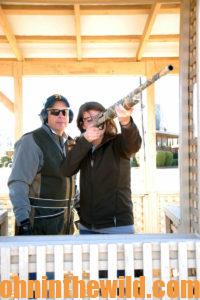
[3, 222]
[162, 200]
[172, 218]
[161, 257]
[6, 205]
[139, 201]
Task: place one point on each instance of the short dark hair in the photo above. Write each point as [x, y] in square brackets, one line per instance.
[111, 129]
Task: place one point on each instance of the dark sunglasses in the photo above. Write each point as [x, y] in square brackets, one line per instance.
[56, 112]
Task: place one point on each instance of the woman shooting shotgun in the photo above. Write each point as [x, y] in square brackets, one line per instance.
[103, 158]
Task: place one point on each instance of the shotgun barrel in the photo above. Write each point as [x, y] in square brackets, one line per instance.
[132, 98]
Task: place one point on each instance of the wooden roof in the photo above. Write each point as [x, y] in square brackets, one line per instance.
[77, 29]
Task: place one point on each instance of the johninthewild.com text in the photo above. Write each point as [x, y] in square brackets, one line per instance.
[73, 287]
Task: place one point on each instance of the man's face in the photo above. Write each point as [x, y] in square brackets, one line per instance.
[58, 120]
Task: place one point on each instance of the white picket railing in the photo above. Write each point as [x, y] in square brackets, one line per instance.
[159, 256]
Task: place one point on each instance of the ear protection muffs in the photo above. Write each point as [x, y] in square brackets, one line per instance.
[43, 116]
[71, 116]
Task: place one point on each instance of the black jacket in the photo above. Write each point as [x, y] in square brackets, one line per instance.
[105, 194]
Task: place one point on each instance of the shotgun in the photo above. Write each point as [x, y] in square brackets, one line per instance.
[131, 99]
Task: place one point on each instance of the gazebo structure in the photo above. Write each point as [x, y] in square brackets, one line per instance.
[110, 37]
[73, 38]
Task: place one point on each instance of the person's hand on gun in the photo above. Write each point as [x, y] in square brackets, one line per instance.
[93, 133]
[124, 115]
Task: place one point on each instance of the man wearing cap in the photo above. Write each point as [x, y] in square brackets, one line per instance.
[41, 197]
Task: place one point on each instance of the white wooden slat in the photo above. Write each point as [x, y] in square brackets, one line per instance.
[23, 265]
[77, 262]
[165, 265]
[59, 264]
[5, 264]
[129, 262]
[40, 264]
[147, 267]
[112, 263]
[182, 262]
[94, 263]
[198, 260]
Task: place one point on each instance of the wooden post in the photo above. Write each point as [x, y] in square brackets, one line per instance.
[184, 122]
[198, 106]
[6, 102]
[18, 103]
[150, 203]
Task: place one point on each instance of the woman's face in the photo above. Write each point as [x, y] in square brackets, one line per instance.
[88, 124]
[89, 118]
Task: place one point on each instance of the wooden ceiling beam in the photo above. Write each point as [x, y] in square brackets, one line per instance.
[104, 66]
[168, 1]
[147, 29]
[87, 10]
[78, 30]
[170, 9]
[41, 39]
[6, 102]
[38, 9]
[9, 35]
[91, 39]
[115, 59]
[164, 38]
[95, 66]
[84, 2]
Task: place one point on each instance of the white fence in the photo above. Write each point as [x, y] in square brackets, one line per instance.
[165, 257]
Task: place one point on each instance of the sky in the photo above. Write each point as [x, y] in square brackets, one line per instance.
[79, 89]
[167, 95]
